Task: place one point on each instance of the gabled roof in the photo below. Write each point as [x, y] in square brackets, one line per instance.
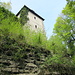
[30, 11]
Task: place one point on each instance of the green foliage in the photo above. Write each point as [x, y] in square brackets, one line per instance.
[35, 38]
[23, 16]
[10, 30]
[14, 39]
[6, 5]
[9, 23]
[55, 45]
[65, 26]
[62, 43]
[58, 51]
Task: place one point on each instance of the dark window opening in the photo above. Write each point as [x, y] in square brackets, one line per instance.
[35, 26]
[34, 17]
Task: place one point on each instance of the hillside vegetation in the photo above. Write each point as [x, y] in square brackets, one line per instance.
[21, 48]
[18, 48]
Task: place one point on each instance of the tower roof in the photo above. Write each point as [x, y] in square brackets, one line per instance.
[30, 11]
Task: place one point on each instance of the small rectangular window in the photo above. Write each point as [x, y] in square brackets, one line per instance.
[34, 17]
[35, 26]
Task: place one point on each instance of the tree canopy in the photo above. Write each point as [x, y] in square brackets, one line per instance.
[65, 26]
[62, 43]
[6, 5]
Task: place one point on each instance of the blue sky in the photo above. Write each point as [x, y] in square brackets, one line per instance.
[48, 9]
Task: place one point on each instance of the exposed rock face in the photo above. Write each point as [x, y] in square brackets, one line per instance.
[29, 65]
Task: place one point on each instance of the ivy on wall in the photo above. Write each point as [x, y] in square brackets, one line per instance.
[23, 16]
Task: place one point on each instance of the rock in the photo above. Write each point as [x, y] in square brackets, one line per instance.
[30, 64]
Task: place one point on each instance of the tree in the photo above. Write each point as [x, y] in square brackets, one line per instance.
[65, 27]
[59, 60]
[10, 26]
[6, 5]
[56, 45]
[62, 43]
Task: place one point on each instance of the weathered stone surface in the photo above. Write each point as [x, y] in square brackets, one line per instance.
[31, 64]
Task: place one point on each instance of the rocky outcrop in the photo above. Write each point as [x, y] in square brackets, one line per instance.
[30, 64]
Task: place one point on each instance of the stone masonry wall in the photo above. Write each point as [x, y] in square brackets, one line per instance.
[29, 65]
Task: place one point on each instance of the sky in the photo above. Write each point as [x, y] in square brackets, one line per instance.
[48, 9]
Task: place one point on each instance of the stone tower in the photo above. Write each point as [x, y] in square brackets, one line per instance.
[35, 21]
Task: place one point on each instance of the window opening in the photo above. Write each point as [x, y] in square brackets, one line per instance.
[35, 26]
[34, 17]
